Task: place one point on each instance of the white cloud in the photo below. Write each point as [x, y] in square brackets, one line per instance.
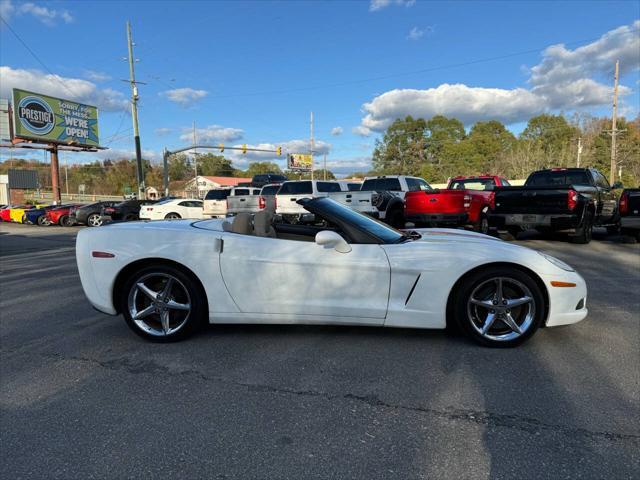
[561, 81]
[163, 132]
[415, 33]
[6, 9]
[336, 131]
[184, 96]
[96, 76]
[76, 89]
[344, 166]
[376, 5]
[48, 16]
[212, 133]
[289, 146]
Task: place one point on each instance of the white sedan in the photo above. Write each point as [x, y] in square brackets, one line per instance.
[172, 209]
[169, 278]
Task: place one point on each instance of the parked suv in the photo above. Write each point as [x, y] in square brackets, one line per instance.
[215, 202]
[389, 193]
[263, 179]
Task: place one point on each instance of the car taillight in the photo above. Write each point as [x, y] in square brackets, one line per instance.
[109, 210]
[149, 209]
[572, 199]
[624, 204]
[261, 203]
[467, 201]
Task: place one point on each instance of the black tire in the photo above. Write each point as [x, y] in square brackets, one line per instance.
[62, 221]
[395, 218]
[465, 317]
[585, 231]
[94, 220]
[172, 216]
[196, 317]
[42, 221]
[483, 224]
[514, 231]
[614, 229]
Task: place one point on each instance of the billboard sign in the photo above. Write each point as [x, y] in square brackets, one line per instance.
[300, 162]
[53, 120]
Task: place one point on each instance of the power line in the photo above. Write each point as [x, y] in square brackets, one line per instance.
[34, 55]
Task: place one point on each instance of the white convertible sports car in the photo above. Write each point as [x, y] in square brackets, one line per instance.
[167, 278]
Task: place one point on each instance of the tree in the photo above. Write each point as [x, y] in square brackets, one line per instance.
[553, 132]
[215, 165]
[179, 166]
[256, 168]
[490, 138]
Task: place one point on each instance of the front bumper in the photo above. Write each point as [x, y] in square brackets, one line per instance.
[567, 305]
[558, 222]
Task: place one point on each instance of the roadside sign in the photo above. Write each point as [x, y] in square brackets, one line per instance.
[299, 162]
[53, 120]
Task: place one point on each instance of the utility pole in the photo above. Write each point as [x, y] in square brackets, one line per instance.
[324, 167]
[165, 164]
[614, 131]
[55, 175]
[311, 144]
[195, 154]
[579, 151]
[134, 115]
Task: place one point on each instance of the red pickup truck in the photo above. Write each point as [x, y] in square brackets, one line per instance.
[465, 202]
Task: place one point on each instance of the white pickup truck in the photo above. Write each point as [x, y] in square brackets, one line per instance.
[292, 191]
[388, 195]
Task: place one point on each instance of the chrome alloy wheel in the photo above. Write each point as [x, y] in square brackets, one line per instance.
[501, 309]
[159, 304]
[94, 220]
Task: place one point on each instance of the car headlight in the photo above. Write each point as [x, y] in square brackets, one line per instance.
[558, 263]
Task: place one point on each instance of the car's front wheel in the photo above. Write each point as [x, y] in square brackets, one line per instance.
[43, 221]
[499, 306]
[163, 303]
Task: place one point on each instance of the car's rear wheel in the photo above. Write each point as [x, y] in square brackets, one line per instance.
[94, 220]
[499, 307]
[172, 216]
[585, 231]
[395, 217]
[163, 303]
[483, 224]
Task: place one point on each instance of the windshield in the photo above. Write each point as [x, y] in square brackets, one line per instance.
[270, 190]
[376, 184]
[473, 184]
[558, 178]
[217, 194]
[335, 212]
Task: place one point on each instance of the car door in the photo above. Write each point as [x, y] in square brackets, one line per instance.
[277, 276]
[607, 201]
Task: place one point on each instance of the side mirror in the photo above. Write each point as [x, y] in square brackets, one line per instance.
[329, 239]
[616, 185]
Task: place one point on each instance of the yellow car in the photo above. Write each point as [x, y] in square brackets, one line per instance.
[17, 214]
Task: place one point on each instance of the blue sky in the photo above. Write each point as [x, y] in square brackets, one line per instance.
[250, 72]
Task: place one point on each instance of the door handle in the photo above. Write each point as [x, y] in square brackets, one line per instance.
[218, 245]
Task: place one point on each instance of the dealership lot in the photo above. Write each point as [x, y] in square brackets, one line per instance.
[82, 397]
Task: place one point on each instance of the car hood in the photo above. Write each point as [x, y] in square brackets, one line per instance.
[451, 234]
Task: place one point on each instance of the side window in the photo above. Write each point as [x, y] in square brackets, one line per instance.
[601, 181]
[412, 184]
[184, 204]
[504, 182]
[423, 184]
[196, 204]
[328, 187]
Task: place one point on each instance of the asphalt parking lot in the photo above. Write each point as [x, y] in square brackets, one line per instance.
[82, 397]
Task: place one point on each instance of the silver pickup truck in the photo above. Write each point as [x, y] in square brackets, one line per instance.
[259, 199]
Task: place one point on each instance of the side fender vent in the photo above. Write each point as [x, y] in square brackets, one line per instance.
[412, 289]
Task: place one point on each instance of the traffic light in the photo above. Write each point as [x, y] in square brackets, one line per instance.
[221, 147]
[279, 151]
[244, 148]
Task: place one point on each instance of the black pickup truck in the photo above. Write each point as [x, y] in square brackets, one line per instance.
[629, 207]
[572, 200]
